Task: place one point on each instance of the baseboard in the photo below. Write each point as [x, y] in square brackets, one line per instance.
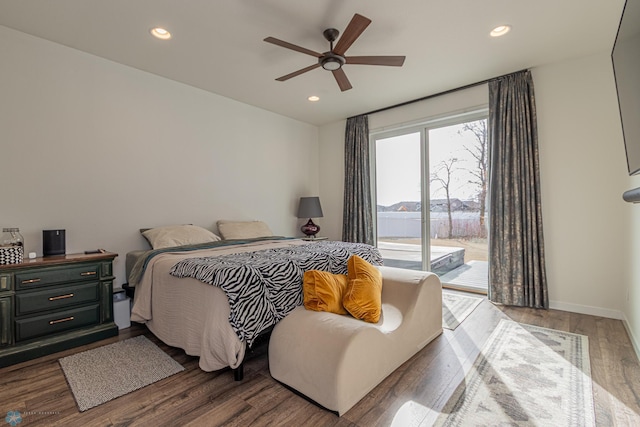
[586, 309]
[602, 312]
[632, 337]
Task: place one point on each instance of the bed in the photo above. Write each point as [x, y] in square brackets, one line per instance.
[186, 312]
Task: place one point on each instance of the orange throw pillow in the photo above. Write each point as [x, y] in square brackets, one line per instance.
[363, 297]
[323, 291]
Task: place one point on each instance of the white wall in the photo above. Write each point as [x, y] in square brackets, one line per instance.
[443, 106]
[101, 150]
[632, 291]
[583, 175]
[332, 178]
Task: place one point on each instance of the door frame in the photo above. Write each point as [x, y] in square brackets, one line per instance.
[422, 127]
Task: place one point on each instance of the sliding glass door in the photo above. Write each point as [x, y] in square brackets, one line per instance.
[431, 199]
[399, 193]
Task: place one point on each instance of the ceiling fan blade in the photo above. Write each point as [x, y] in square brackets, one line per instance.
[342, 79]
[297, 73]
[288, 45]
[393, 61]
[357, 25]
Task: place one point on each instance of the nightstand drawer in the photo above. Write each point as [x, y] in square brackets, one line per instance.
[43, 277]
[60, 297]
[57, 322]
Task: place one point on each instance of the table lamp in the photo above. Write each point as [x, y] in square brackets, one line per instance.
[309, 207]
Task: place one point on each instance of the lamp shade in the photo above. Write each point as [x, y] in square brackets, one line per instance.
[309, 207]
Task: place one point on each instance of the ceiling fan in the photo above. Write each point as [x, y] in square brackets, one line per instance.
[335, 58]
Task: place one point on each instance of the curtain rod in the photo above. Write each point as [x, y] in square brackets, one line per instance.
[446, 92]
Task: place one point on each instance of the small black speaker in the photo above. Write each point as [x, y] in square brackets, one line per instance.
[53, 242]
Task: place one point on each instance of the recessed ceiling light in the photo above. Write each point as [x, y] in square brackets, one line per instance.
[500, 30]
[160, 33]
[314, 98]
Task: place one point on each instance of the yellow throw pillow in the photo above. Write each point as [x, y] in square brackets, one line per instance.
[363, 297]
[323, 291]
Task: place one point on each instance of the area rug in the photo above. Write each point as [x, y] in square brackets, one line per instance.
[456, 308]
[525, 376]
[104, 373]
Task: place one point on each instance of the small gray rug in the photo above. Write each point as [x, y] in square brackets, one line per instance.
[104, 373]
[525, 376]
[456, 308]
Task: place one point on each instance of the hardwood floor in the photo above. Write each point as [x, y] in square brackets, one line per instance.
[412, 395]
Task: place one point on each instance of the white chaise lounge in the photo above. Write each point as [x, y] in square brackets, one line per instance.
[335, 360]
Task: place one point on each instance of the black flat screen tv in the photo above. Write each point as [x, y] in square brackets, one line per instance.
[626, 68]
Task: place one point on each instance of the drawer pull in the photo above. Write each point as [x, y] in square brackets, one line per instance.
[61, 297]
[26, 282]
[88, 273]
[66, 319]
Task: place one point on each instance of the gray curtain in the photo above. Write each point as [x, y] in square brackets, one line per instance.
[517, 274]
[357, 217]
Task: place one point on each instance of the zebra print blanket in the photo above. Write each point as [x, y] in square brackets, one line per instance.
[264, 286]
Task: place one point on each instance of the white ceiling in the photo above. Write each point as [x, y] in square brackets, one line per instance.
[218, 45]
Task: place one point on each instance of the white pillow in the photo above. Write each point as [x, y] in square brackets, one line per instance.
[178, 235]
[243, 229]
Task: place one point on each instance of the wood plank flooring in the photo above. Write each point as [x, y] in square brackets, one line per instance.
[412, 395]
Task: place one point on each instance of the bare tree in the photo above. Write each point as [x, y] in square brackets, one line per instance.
[479, 151]
[442, 175]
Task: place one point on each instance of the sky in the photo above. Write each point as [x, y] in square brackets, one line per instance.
[398, 165]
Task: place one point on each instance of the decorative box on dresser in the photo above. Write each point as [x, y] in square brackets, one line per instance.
[54, 303]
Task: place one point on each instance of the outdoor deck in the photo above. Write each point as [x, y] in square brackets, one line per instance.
[472, 276]
[409, 256]
[447, 262]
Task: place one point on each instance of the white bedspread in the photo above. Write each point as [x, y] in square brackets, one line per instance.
[189, 314]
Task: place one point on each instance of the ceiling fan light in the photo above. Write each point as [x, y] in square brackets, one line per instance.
[331, 64]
